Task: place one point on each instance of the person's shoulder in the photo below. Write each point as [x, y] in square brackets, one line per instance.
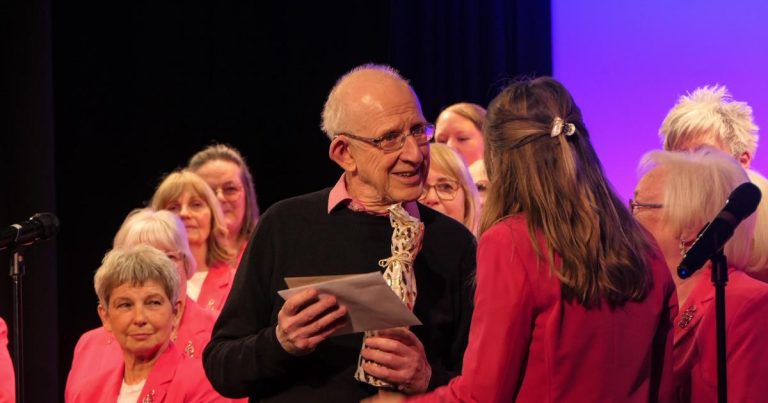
[298, 205]
[742, 288]
[94, 337]
[507, 229]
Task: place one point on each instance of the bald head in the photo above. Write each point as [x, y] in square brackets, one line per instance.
[362, 92]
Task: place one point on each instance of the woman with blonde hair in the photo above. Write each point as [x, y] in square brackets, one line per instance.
[189, 196]
[449, 188]
[225, 170]
[573, 301]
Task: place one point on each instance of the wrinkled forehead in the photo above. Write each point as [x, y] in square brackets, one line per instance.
[376, 103]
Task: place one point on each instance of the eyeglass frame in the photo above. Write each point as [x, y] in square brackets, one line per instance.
[428, 131]
[427, 187]
[634, 204]
[235, 195]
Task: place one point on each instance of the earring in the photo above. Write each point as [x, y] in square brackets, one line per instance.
[684, 246]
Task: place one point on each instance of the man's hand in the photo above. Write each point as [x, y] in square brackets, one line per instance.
[306, 319]
[399, 359]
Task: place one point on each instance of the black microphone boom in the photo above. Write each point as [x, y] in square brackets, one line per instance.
[741, 204]
[39, 227]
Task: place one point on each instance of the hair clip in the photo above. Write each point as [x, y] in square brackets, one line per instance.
[559, 126]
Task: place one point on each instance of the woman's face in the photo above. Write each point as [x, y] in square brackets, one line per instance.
[194, 213]
[141, 318]
[439, 189]
[224, 177]
[650, 191]
[461, 134]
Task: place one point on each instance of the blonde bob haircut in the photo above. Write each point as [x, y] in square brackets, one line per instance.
[449, 161]
[160, 229]
[171, 189]
[696, 187]
[223, 152]
[711, 116]
[136, 266]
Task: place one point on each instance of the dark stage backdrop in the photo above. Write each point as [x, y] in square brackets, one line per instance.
[104, 98]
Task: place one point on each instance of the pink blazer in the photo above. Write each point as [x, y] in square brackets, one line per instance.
[695, 348]
[174, 379]
[527, 344]
[216, 287]
[97, 350]
[7, 379]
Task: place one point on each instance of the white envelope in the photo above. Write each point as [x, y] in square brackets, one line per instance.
[371, 304]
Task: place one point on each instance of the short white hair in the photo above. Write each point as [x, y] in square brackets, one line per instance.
[157, 228]
[710, 114]
[696, 187]
[334, 112]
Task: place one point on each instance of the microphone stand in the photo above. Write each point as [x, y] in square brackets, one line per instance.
[720, 280]
[17, 272]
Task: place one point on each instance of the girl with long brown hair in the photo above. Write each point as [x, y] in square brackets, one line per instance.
[573, 301]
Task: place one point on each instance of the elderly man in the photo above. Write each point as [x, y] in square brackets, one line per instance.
[710, 116]
[274, 351]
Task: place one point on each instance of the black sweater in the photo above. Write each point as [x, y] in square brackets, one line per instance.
[297, 237]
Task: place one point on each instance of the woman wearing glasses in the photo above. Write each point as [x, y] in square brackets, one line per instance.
[225, 171]
[676, 196]
[573, 301]
[187, 195]
[449, 188]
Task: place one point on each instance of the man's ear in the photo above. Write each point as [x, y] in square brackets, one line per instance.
[339, 151]
[104, 316]
[745, 159]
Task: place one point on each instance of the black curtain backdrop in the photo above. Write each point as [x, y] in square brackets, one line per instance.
[101, 99]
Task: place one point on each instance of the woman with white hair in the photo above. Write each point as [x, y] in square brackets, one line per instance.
[97, 350]
[709, 116]
[139, 305]
[676, 196]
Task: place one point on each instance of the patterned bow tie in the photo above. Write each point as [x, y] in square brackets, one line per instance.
[407, 235]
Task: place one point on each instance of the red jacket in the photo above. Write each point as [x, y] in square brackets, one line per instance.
[216, 287]
[746, 319]
[174, 379]
[7, 380]
[527, 344]
[97, 350]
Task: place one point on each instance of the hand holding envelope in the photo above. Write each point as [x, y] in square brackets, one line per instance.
[370, 303]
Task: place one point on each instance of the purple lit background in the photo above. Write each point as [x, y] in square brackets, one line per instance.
[627, 62]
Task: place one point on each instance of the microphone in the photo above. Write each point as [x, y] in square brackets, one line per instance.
[741, 203]
[39, 227]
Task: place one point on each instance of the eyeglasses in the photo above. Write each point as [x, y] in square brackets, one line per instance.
[634, 205]
[394, 141]
[445, 190]
[229, 192]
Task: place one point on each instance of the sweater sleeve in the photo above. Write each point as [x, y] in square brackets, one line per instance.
[500, 332]
[244, 357]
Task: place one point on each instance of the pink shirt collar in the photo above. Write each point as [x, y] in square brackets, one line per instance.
[340, 195]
